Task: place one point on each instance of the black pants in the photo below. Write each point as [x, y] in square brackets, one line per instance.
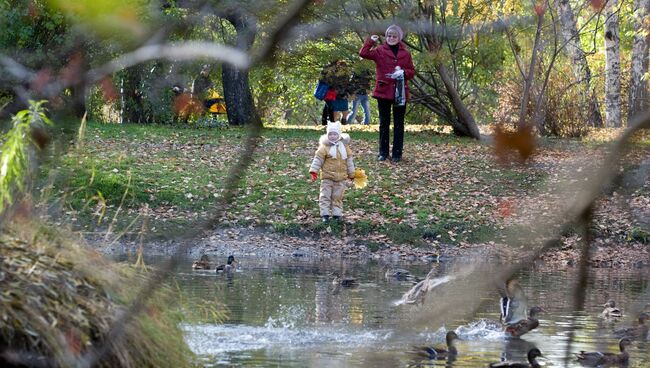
[328, 114]
[384, 127]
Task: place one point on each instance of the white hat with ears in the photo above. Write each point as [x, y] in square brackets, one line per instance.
[334, 126]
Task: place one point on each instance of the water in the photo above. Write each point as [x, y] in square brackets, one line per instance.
[286, 312]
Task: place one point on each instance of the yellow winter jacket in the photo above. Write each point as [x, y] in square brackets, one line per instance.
[336, 169]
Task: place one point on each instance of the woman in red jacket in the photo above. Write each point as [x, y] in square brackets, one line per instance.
[394, 67]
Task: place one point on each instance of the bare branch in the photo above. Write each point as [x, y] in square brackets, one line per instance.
[174, 52]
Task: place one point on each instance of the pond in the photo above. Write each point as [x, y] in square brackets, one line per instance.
[287, 312]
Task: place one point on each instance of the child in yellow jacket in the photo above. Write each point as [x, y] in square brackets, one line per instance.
[333, 159]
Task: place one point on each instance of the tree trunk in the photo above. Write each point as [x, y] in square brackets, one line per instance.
[240, 104]
[581, 70]
[612, 66]
[131, 94]
[465, 126]
[528, 79]
[638, 97]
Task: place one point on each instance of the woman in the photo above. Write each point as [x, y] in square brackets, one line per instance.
[393, 68]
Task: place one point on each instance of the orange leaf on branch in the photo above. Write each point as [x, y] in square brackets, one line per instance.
[108, 90]
[33, 10]
[185, 105]
[518, 145]
[597, 5]
[71, 73]
[540, 9]
[73, 341]
[41, 79]
[505, 208]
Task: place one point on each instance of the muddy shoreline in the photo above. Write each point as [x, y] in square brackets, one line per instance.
[261, 243]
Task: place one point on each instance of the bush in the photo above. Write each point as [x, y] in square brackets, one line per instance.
[565, 110]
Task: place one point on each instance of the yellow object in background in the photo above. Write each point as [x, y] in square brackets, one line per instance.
[216, 103]
[360, 179]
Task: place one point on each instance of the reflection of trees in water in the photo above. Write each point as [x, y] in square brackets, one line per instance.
[328, 305]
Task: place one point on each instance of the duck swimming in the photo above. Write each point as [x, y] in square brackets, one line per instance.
[532, 361]
[348, 282]
[597, 358]
[202, 264]
[428, 352]
[640, 331]
[611, 310]
[228, 267]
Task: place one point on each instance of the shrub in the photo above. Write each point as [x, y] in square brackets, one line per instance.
[565, 110]
[62, 300]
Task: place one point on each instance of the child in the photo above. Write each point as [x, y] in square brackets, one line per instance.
[334, 159]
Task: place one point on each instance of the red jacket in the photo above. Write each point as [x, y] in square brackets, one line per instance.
[386, 61]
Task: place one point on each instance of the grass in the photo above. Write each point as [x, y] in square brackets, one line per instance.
[64, 298]
[447, 189]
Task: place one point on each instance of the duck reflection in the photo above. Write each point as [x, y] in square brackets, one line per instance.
[516, 349]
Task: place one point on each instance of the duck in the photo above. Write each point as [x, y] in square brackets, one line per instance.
[400, 274]
[611, 310]
[523, 326]
[532, 356]
[513, 302]
[597, 358]
[428, 352]
[640, 331]
[229, 267]
[418, 293]
[515, 315]
[202, 264]
[348, 282]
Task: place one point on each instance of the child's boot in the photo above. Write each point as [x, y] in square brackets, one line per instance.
[326, 218]
[337, 218]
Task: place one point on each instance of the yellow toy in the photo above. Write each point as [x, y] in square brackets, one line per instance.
[360, 179]
[217, 105]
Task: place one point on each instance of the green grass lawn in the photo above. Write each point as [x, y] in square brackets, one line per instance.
[446, 189]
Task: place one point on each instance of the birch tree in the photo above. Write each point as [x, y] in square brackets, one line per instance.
[638, 96]
[530, 76]
[574, 51]
[612, 66]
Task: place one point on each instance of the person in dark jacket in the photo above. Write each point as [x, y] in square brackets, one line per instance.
[360, 85]
[393, 68]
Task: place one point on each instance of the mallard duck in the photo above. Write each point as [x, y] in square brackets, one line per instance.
[640, 331]
[515, 315]
[597, 358]
[399, 274]
[428, 352]
[513, 303]
[532, 361]
[229, 266]
[418, 293]
[611, 310]
[202, 264]
[525, 325]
